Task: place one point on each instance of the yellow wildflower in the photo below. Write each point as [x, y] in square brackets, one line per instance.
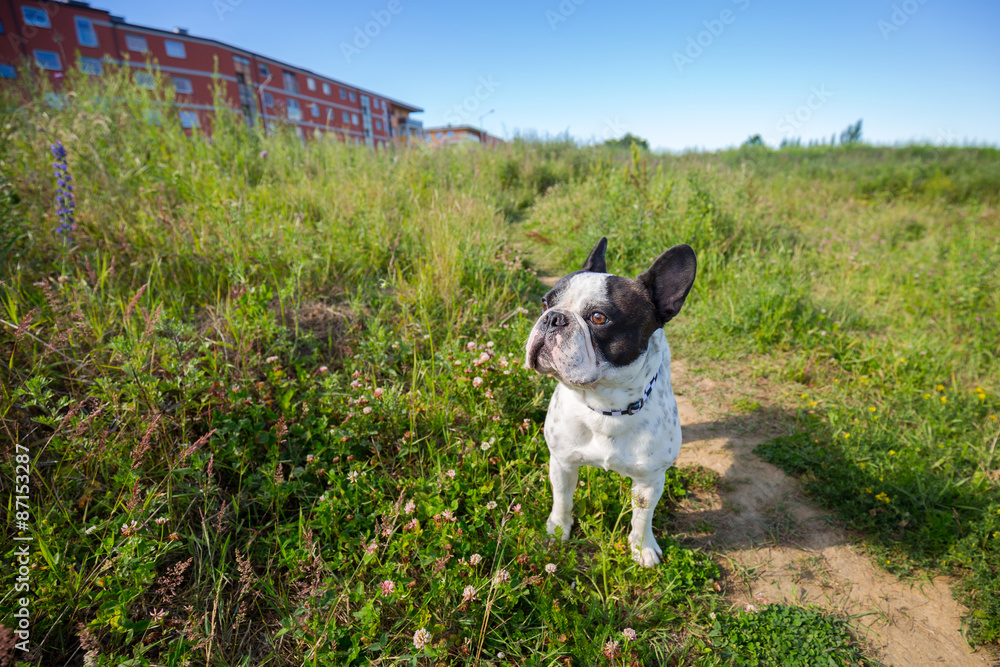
[944, 399]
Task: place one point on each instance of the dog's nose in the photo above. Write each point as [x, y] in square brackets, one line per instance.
[554, 319]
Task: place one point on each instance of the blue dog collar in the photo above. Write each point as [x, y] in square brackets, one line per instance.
[632, 407]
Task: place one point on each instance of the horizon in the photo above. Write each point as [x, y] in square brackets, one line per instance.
[682, 78]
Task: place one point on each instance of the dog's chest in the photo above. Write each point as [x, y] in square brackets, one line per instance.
[631, 445]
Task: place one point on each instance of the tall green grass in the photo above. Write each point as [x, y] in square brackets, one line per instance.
[262, 379]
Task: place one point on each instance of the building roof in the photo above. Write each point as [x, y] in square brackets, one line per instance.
[466, 128]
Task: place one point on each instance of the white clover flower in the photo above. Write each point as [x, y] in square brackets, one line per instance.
[352, 476]
[629, 634]
[492, 505]
[409, 507]
[551, 568]
[421, 638]
[501, 577]
[477, 382]
[474, 559]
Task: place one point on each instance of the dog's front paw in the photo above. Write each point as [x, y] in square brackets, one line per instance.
[646, 552]
[564, 525]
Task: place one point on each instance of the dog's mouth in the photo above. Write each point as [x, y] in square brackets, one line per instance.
[537, 344]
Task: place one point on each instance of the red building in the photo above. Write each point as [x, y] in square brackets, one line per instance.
[459, 134]
[53, 36]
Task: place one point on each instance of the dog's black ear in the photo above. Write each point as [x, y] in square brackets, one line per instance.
[595, 261]
[669, 280]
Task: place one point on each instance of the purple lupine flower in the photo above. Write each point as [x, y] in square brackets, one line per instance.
[64, 191]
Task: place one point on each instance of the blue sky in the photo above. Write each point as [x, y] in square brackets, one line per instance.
[683, 75]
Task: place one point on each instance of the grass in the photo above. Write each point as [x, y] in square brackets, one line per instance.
[272, 400]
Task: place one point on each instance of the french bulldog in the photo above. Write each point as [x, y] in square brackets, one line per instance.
[601, 336]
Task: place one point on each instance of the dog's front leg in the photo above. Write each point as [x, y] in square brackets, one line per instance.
[646, 492]
[564, 478]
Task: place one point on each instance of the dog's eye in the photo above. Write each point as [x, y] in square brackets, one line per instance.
[598, 318]
[545, 304]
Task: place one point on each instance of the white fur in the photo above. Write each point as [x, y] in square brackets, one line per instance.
[640, 446]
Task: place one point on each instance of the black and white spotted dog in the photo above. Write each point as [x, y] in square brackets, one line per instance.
[601, 336]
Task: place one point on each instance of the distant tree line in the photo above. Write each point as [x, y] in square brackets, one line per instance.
[850, 135]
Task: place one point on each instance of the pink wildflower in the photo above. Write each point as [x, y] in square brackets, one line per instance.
[629, 634]
[387, 586]
[477, 382]
[611, 650]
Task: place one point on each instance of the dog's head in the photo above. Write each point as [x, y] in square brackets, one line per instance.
[594, 323]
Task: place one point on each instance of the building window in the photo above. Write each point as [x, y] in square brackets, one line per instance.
[136, 43]
[326, 88]
[353, 97]
[264, 71]
[145, 80]
[378, 125]
[310, 83]
[175, 49]
[294, 110]
[343, 94]
[7, 71]
[299, 133]
[36, 16]
[48, 60]
[440, 135]
[314, 110]
[183, 85]
[347, 117]
[291, 85]
[85, 33]
[91, 66]
[189, 119]
[330, 115]
[268, 100]
[451, 133]
[354, 119]
[55, 100]
[2, 31]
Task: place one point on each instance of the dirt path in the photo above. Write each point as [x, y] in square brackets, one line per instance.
[776, 545]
